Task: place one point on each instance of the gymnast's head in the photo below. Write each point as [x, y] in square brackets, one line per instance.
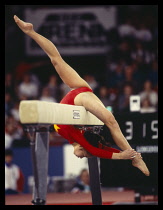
[80, 152]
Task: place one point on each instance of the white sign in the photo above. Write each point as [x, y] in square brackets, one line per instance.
[74, 31]
[76, 114]
[72, 164]
[135, 103]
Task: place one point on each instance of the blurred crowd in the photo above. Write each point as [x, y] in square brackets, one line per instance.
[131, 68]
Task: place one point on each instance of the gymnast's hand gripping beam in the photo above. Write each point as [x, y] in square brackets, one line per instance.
[35, 112]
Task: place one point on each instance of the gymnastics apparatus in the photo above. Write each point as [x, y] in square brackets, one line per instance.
[37, 117]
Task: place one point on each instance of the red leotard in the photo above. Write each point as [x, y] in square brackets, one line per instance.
[73, 134]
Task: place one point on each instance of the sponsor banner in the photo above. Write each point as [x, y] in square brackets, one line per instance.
[147, 149]
[74, 31]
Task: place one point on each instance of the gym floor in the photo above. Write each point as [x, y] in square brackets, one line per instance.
[126, 197]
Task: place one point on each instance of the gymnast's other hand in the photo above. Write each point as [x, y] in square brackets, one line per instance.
[24, 26]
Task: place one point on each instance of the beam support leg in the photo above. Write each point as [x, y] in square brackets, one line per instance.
[40, 156]
[95, 181]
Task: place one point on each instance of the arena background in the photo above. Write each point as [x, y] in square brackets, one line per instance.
[99, 42]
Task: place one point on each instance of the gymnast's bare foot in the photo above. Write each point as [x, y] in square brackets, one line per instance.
[140, 164]
[25, 27]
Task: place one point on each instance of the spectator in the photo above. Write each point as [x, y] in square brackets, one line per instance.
[82, 184]
[146, 107]
[113, 96]
[15, 110]
[14, 178]
[46, 95]
[8, 103]
[27, 88]
[9, 84]
[9, 130]
[143, 33]
[129, 76]
[103, 95]
[107, 95]
[153, 73]
[127, 29]
[149, 93]
[140, 53]
[117, 77]
[124, 98]
[53, 87]
[24, 67]
[124, 51]
[90, 79]
[13, 131]
[64, 89]
[128, 72]
[18, 132]
[138, 75]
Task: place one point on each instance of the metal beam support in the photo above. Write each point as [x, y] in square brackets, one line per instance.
[39, 138]
[40, 156]
[95, 181]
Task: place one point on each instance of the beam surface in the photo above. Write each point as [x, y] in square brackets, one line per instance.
[42, 112]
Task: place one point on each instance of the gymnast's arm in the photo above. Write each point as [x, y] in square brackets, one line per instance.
[98, 152]
[102, 153]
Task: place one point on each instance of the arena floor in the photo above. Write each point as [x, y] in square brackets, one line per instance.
[108, 198]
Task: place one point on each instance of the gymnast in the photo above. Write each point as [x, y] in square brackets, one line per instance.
[81, 94]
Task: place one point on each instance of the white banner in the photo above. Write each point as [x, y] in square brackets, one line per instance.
[74, 31]
[72, 164]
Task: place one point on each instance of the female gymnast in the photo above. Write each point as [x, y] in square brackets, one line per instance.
[81, 94]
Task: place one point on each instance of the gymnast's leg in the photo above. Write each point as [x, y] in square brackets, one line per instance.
[95, 106]
[68, 75]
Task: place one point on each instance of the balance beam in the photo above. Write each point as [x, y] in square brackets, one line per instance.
[37, 117]
[42, 112]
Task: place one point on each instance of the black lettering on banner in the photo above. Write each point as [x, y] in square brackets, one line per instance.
[147, 149]
[73, 33]
[80, 31]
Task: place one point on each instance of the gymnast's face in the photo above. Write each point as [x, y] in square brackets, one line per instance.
[80, 152]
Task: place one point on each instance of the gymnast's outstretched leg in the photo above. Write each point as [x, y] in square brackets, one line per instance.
[95, 106]
[91, 102]
[68, 75]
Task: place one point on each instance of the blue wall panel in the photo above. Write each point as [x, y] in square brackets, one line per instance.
[22, 157]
